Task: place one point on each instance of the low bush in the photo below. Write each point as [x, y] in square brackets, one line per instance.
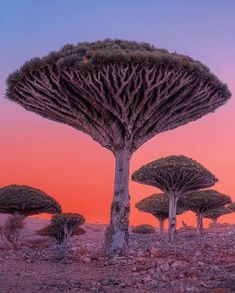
[12, 228]
[144, 229]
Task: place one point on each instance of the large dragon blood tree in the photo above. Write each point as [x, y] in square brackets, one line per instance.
[26, 201]
[214, 214]
[174, 175]
[201, 201]
[121, 93]
[158, 206]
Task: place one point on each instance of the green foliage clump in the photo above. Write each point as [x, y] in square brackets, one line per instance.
[89, 55]
[143, 229]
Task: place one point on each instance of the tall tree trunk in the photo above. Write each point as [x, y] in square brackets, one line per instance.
[117, 234]
[172, 215]
[199, 224]
[161, 226]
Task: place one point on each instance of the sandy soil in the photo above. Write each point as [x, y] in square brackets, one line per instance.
[191, 264]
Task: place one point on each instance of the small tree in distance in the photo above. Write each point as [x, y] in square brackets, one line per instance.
[158, 206]
[201, 201]
[174, 175]
[214, 214]
[120, 93]
[65, 225]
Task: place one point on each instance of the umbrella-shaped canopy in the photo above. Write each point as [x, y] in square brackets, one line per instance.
[200, 201]
[214, 214]
[175, 173]
[26, 200]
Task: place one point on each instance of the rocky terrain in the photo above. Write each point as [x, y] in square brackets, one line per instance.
[191, 264]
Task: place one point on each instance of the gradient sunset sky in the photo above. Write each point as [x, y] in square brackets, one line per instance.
[68, 164]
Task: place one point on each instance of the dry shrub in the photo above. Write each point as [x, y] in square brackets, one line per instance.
[12, 229]
[37, 243]
[185, 227]
[144, 229]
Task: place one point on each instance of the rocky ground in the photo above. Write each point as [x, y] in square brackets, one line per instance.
[191, 264]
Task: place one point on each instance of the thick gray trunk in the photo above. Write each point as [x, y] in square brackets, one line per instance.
[199, 224]
[161, 226]
[117, 234]
[172, 216]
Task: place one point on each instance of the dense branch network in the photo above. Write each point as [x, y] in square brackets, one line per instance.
[121, 98]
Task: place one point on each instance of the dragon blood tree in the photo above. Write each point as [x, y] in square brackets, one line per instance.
[25, 200]
[174, 175]
[214, 214]
[121, 93]
[201, 201]
[65, 225]
[232, 206]
[158, 206]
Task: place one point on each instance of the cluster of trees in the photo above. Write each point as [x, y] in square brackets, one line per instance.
[21, 201]
[121, 93]
[183, 181]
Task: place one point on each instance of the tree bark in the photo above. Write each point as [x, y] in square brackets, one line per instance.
[199, 224]
[117, 234]
[172, 216]
[161, 226]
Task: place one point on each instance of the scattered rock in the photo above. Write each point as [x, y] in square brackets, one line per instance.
[190, 264]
